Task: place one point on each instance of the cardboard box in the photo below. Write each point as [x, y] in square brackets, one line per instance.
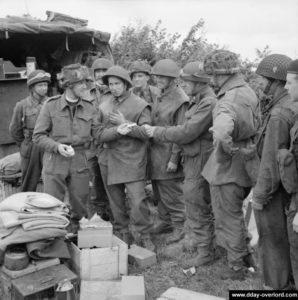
[95, 233]
[142, 257]
[174, 293]
[100, 290]
[100, 263]
[133, 288]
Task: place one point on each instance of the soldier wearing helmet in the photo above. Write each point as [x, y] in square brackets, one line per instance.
[271, 195]
[229, 169]
[22, 124]
[140, 72]
[123, 158]
[292, 221]
[166, 170]
[99, 68]
[63, 130]
[196, 144]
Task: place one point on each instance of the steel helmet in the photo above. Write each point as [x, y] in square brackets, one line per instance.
[139, 66]
[101, 63]
[119, 72]
[166, 67]
[37, 76]
[73, 73]
[192, 71]
[274, 66]
[221, 62]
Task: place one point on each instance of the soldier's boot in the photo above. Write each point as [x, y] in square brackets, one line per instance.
[205, 257]
[190, 243]
[176, 236]
[233, 274]
[162, 227]
[147, 243]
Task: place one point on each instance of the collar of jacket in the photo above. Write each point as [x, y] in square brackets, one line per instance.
[233, 81]
[36, 102]
[206, 91]
[173, 86]
[123, 97]
[64, 103]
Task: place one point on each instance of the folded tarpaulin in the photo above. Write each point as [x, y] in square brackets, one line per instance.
[31, 221]
[32, 202]
[48, 249]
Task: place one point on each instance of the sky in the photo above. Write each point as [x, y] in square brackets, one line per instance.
[239, 25]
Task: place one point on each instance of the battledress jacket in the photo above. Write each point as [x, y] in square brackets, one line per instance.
[193, 135]
[235, 120]
[56, 124]
[277, 137]
[168, 110]
[124, 155]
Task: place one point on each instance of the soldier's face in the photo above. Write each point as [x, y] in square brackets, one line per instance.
[292, 86]
[79, 88]
[188, 87]
[41, 88]
[98, 75]
[117, 86]
[163, 82]
[140, 79]
[263, 82]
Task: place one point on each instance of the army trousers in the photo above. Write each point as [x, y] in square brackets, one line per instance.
[31, 166]
[171, 206]
[230, 228]
[197, 197]
[274, 249]
[98, 201]
[135, 211]
[71, 173]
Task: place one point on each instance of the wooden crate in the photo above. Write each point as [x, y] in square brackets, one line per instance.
[100, 263]
[42, 284]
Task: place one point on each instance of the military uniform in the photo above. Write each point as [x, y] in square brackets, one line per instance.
[123, 161]
[196, 144]
[62, 123]
[269, 191]
[149, 94]
[235, 121]
[169, 110]
[21, 129]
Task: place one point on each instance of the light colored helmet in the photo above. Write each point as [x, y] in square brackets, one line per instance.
[221, 62]
[167, 68]
[274, 66]
[117, 71]
[101, 63]
[37, 76]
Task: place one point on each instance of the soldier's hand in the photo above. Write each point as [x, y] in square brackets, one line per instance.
[124, 129]
[117, 118]
[171, 168]
[64, 150]
[149, 130]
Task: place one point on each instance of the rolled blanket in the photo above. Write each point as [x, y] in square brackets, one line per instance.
[20, 236]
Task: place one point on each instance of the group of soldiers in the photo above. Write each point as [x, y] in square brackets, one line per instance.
[199, 136]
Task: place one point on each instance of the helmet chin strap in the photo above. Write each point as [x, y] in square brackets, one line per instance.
[268, 87]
